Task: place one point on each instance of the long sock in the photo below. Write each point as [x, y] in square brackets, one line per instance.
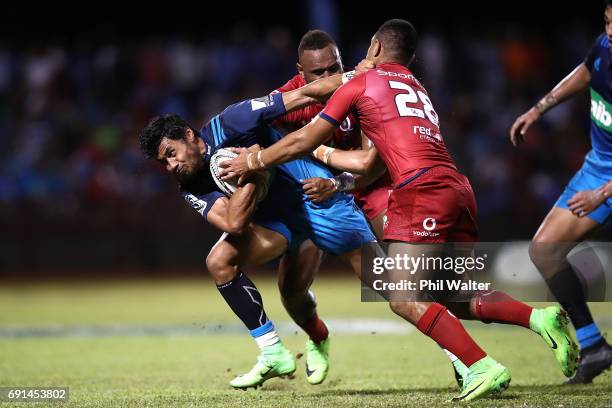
[567, 289]
[244, 299]
[494, 306]
[446, 330]
[316, 329]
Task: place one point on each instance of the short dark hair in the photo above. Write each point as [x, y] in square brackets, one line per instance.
[608, 3]
[399, 38]
[314, 40]
[169, 125]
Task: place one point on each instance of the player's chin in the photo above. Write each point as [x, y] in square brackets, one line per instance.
[185, 176]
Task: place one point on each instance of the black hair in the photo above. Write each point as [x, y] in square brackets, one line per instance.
[608, 3]
[399, 39]
[170, 125]
[314, 40]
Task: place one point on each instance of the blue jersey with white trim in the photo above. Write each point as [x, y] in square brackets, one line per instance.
[242, 125]
[599, 63]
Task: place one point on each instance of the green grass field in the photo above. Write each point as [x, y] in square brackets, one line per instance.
[191, 363]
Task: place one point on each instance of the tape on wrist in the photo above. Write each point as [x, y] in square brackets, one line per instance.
[346, 181]
[249, 161]
[261, 163]
[326, 154]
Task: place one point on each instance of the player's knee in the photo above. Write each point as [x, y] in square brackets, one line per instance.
[541, 252]
[294, 288]
[219, 267]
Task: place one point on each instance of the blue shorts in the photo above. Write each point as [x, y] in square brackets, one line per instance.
[587, 179]
[336, 226]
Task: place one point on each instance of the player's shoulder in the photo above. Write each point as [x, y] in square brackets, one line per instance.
[201, 185]
[602, 42]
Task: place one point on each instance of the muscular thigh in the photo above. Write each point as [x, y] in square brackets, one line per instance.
[298, 267]
[560, 225]
[257, 245]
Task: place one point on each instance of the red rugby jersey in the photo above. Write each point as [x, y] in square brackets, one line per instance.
[348, 135]
[397, 115]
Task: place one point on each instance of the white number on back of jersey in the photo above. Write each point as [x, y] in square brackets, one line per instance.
[411, 97]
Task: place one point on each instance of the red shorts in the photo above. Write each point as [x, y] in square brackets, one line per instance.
[374, 199]
[437, 206]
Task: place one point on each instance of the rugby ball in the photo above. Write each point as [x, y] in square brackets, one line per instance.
[227, 187]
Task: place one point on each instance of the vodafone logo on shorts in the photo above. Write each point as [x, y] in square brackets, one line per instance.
[429, 224]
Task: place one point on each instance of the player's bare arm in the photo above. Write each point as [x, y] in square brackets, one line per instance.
[575, 82]
[320, 189]
[584, 202]
[233, 214]
[294, 145]
[363, 161]
[314, 92]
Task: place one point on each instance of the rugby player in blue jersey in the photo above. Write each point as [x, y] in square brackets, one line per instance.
[584, 205]
[258, 227]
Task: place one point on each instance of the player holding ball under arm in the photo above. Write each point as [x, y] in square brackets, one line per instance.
[258, 232]
[397, 115]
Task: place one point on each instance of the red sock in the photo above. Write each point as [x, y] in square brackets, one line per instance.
[446, 330]
[498, 307]
[316, 329]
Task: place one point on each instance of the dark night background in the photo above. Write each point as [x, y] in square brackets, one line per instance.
[77, 85]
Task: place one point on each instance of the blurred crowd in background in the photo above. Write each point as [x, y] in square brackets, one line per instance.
[75, 190]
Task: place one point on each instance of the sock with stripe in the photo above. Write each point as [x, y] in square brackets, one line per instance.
[244, 299]
[589, 337]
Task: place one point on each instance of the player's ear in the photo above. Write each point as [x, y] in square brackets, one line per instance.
[374, 50]
[299, 68]
[377, 48]
[189, 135]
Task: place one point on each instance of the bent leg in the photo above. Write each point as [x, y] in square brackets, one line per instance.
[295, 275]
[256, 245]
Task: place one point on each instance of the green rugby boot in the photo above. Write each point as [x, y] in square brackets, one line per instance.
[485, 377]
[552, 324]
[461, 371]
[274, 361]
[317, 361]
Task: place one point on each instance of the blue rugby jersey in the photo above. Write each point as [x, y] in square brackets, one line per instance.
[242, 125]
[598, 61]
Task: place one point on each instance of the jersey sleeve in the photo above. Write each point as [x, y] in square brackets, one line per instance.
[246, 116]
[589, 60]
[202, 203]
[293, 120]
[343, 101]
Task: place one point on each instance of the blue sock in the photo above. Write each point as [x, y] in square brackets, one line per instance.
[265, 335]
[588, 335]
[244, 299]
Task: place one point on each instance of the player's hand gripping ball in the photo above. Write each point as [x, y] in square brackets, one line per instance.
[228, 187]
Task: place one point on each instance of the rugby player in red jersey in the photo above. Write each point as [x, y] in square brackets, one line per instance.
[431, 201]
[319, 57]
